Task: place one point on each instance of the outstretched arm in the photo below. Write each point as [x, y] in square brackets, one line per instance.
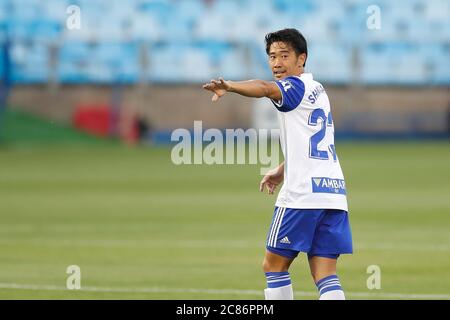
[250, 88]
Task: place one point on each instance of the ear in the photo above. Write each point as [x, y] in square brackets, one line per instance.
[301, 59]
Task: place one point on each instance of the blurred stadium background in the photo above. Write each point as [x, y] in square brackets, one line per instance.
[85, 121]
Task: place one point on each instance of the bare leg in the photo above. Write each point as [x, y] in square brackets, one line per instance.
[322, 267]
[329, 288]
[279, 285]
[276, 263]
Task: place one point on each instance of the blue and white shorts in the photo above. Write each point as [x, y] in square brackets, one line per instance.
[317, 232]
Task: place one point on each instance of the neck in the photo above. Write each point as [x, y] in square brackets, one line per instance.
[297, 74]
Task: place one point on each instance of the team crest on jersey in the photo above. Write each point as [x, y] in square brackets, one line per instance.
[328, 185]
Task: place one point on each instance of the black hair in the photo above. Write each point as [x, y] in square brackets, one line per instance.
[292, 37]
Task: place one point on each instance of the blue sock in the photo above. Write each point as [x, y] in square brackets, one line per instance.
[278, 279]
[328, 284]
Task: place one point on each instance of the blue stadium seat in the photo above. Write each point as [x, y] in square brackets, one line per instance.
[118, 61]
[56, 10]
[393, 64]
[157, 9]
[30, 62]
[438, 59]
[234, 65]
[164, 62]
[193, 40]
[329, 62]
[145, 28]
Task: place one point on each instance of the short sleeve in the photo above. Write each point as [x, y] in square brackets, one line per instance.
[292, 92]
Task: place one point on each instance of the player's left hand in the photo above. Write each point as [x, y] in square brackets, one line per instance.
[219, 87]
[272, 179]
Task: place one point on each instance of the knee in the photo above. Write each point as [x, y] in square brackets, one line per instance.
[270, 266]
[266, 266]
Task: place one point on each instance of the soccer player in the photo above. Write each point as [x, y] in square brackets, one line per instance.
[311, 213]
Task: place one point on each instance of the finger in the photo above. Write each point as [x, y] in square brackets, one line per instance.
[261, 186]
[272, 189]
[221, 80]
[215, 97]
[263, 183]
[217, 83]
[208, 88]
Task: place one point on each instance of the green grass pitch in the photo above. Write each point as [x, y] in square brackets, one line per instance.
[140, 227]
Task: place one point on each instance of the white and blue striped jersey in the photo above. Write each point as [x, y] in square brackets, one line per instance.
[313, 177]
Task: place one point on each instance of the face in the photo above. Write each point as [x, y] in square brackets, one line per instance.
[284, 62]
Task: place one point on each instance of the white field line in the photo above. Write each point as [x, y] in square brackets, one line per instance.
[361, 295]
